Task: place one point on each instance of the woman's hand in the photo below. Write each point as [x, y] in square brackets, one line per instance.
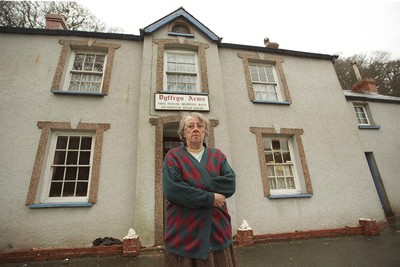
[219, 200]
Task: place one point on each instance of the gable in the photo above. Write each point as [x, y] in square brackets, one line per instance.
[181, 12]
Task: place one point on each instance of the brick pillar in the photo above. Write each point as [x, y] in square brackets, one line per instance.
[369, 227]
[131, 247]
[131, 244]
[245, 238]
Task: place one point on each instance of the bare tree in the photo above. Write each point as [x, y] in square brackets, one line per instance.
[378, 66]
[31, 14]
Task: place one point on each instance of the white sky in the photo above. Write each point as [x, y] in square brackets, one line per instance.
[340, 27]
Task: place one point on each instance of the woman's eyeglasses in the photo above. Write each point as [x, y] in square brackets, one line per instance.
[191, 126]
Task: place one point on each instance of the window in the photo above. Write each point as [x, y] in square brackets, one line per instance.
[265, 84]
[283, 164]
[279, 164]
[86, 72]
[180, 29]
[364, 117]
[186, 70]
[265, 79]
[181, 73]
[84, 67]
[69, 170]
[361, 115]
[66, 169]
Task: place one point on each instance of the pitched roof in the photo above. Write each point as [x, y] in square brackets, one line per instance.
[180, 12]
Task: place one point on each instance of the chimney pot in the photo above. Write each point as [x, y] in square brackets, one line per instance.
[56, 22]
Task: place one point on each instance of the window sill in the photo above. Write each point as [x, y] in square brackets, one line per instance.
[181, 34]
[289, 196]
[182, 93]
[60, 205]
[271, 102]
[369, 127]
[60, 92]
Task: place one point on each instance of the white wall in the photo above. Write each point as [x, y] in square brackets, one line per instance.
[27, 70]
[343, 190]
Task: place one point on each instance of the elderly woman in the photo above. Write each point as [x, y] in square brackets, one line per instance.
[196, 181]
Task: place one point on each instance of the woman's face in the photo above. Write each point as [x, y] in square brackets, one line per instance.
[194, 132]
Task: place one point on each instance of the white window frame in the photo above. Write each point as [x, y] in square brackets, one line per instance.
[275, 83]
[71, 71]
[195, 73]
[45, 198]
[292, 164]
[360, 113]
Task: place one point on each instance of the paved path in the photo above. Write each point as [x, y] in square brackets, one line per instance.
[353, 251]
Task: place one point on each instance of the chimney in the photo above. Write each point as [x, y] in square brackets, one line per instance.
[56, 22]
[363, 85]
[269, 44]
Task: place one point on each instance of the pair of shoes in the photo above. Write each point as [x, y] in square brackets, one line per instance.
[106, 241]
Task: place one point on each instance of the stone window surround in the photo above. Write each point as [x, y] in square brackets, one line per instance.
[260, 132]
[268, 59]
[159, 197]
[89, 44]
[164, 44]
[47, 127]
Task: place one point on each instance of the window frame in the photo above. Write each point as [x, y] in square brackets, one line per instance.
[71, 71]
[37, 186]
[298, 157]
[276, 62]
[47, 180]
[174, 44]
[364, 111]
[277, 86]
[370, 125]
[196, 73]
[61, 77]
[293, 165]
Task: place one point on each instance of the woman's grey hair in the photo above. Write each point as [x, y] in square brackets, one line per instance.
[182, 124]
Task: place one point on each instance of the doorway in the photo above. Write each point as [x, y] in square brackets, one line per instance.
[380, 188]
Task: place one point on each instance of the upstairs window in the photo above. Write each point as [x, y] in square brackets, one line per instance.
[265, 83]
[181, 72]
[84, 67]
[265, 79]
[364, 117]
[361, 114]
[86, 72]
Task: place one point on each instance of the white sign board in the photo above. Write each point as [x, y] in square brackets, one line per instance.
[181, 102]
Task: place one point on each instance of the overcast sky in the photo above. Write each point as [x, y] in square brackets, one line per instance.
[334, 27]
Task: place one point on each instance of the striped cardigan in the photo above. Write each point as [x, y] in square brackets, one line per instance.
[193, 226]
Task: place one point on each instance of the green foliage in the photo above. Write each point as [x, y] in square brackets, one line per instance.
[378, 66]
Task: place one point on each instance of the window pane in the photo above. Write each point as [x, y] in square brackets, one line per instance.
[84, 158]
[72, 157]
[59, 157]
[69, 189]
[83, 173]
[279, 170]
[70, 174]
[62, 142]
[86, 143]
[74, 142]
[55, 189]
[81, 189]
[290, 183]
[272, 184]
[271, 172]
[281, 183]
[58, 173]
